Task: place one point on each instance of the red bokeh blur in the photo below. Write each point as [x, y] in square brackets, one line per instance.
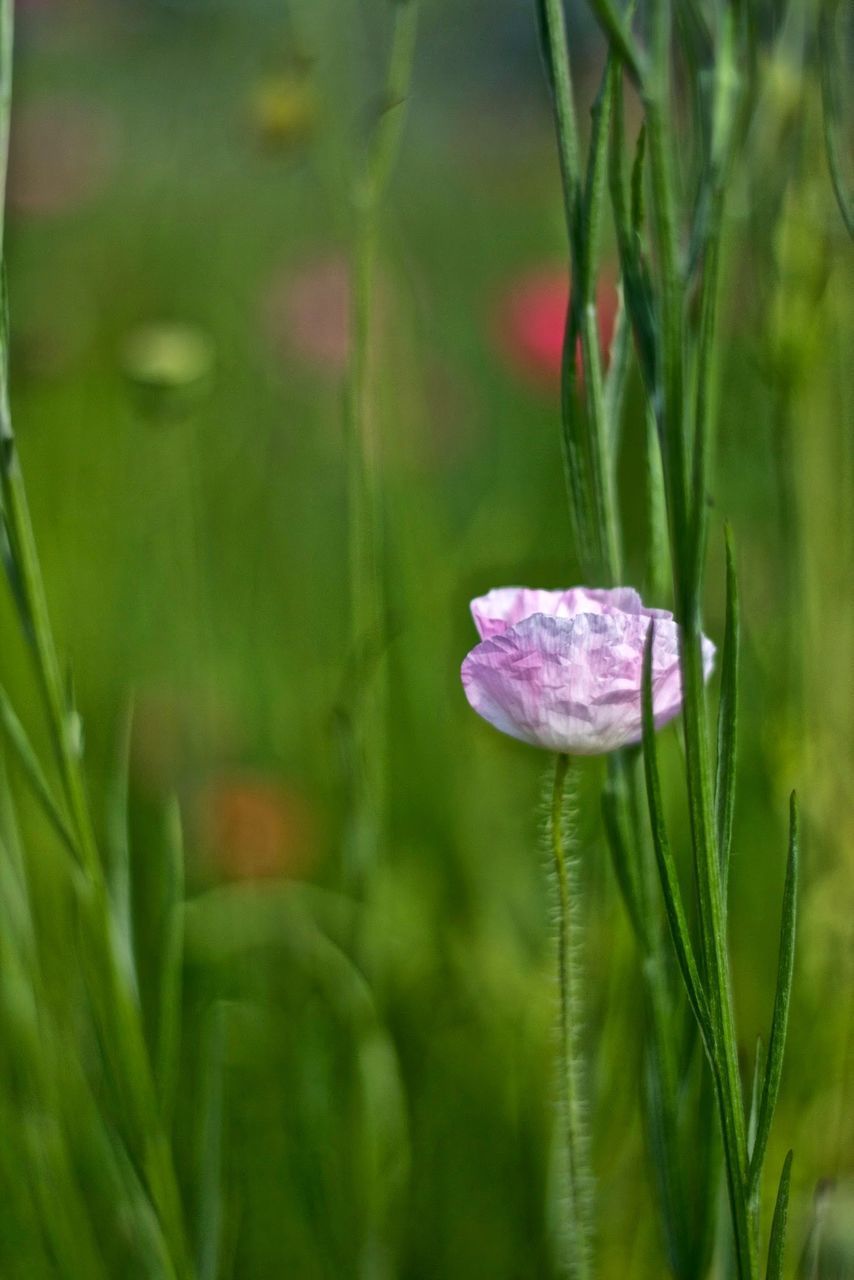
[531, 321]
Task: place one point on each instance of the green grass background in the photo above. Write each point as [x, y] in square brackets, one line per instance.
[199, 559]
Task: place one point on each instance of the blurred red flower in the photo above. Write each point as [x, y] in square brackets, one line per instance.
[532, 319]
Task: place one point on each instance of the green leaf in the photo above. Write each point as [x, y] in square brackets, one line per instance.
[664, 857]
[637, 289]
[210, 1143]
[576, 454]
[755, 1094]
[727, 719]
[619, 356]
[620, 38]
[545, 46]
[171, 959]
[779, 1021]
[658, 552]
[637, 183]
[28, 760]
[594, 183]
[834, 116]
[778, 1225]
[618, 831]
[118, 847]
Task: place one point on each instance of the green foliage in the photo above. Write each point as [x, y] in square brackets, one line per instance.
[221, 1079]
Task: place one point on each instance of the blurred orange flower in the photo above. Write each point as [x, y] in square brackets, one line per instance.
[251, 827]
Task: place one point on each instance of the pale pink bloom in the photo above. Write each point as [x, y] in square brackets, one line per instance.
[562, 669]
[307, 314]
[62, 152]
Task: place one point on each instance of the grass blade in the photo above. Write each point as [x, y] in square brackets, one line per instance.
[16, 736]
[728, 719]
[619, 359]
[620, 38]
[118, 844]
[785, 969]
[756, 1094]
[210, 1144]
[637, 290]
[664, 857]
[171, 962]
[831, 93]
[778, 1225]
[617, 822]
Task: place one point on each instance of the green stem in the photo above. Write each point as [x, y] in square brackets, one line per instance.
[673, 415]
[117, 1013]
[662, 1098]
[589, 463]
[365, 539]
[579, 1232]
[719, 985]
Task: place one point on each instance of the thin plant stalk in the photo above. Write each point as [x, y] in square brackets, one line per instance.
[579, 1228]
[367, 605]
[687, 571]
[117, 1013]
[590, 455]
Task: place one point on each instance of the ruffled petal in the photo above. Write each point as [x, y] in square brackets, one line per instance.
[573, 684]
[506, 606]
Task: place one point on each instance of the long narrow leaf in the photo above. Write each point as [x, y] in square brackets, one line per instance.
[118, 845]
[785, 970]
[728, 719]
[658, 552]
[210, 1145]
[17, 738]
[620, 38]
[616, 821]
[664, 857]
[831, 92]
[171, 959]
[619, 359]
[636, 286]
[778, 1226]
[755, 1094]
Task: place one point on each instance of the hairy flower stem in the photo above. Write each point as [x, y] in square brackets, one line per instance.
[576, 1157]
[367, 607]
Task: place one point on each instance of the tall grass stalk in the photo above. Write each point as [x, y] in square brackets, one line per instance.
[114, 1002]
[368, 705]
[671, 282]
[591, 434]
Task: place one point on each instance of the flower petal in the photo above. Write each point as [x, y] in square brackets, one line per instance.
[573, 684]
[506, 606]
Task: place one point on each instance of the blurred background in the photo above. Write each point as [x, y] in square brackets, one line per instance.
[179, 228]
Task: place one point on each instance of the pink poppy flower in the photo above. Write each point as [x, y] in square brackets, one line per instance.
[562, 669]
[532, 319]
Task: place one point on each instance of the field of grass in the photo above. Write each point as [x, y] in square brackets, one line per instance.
[364, 1084]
